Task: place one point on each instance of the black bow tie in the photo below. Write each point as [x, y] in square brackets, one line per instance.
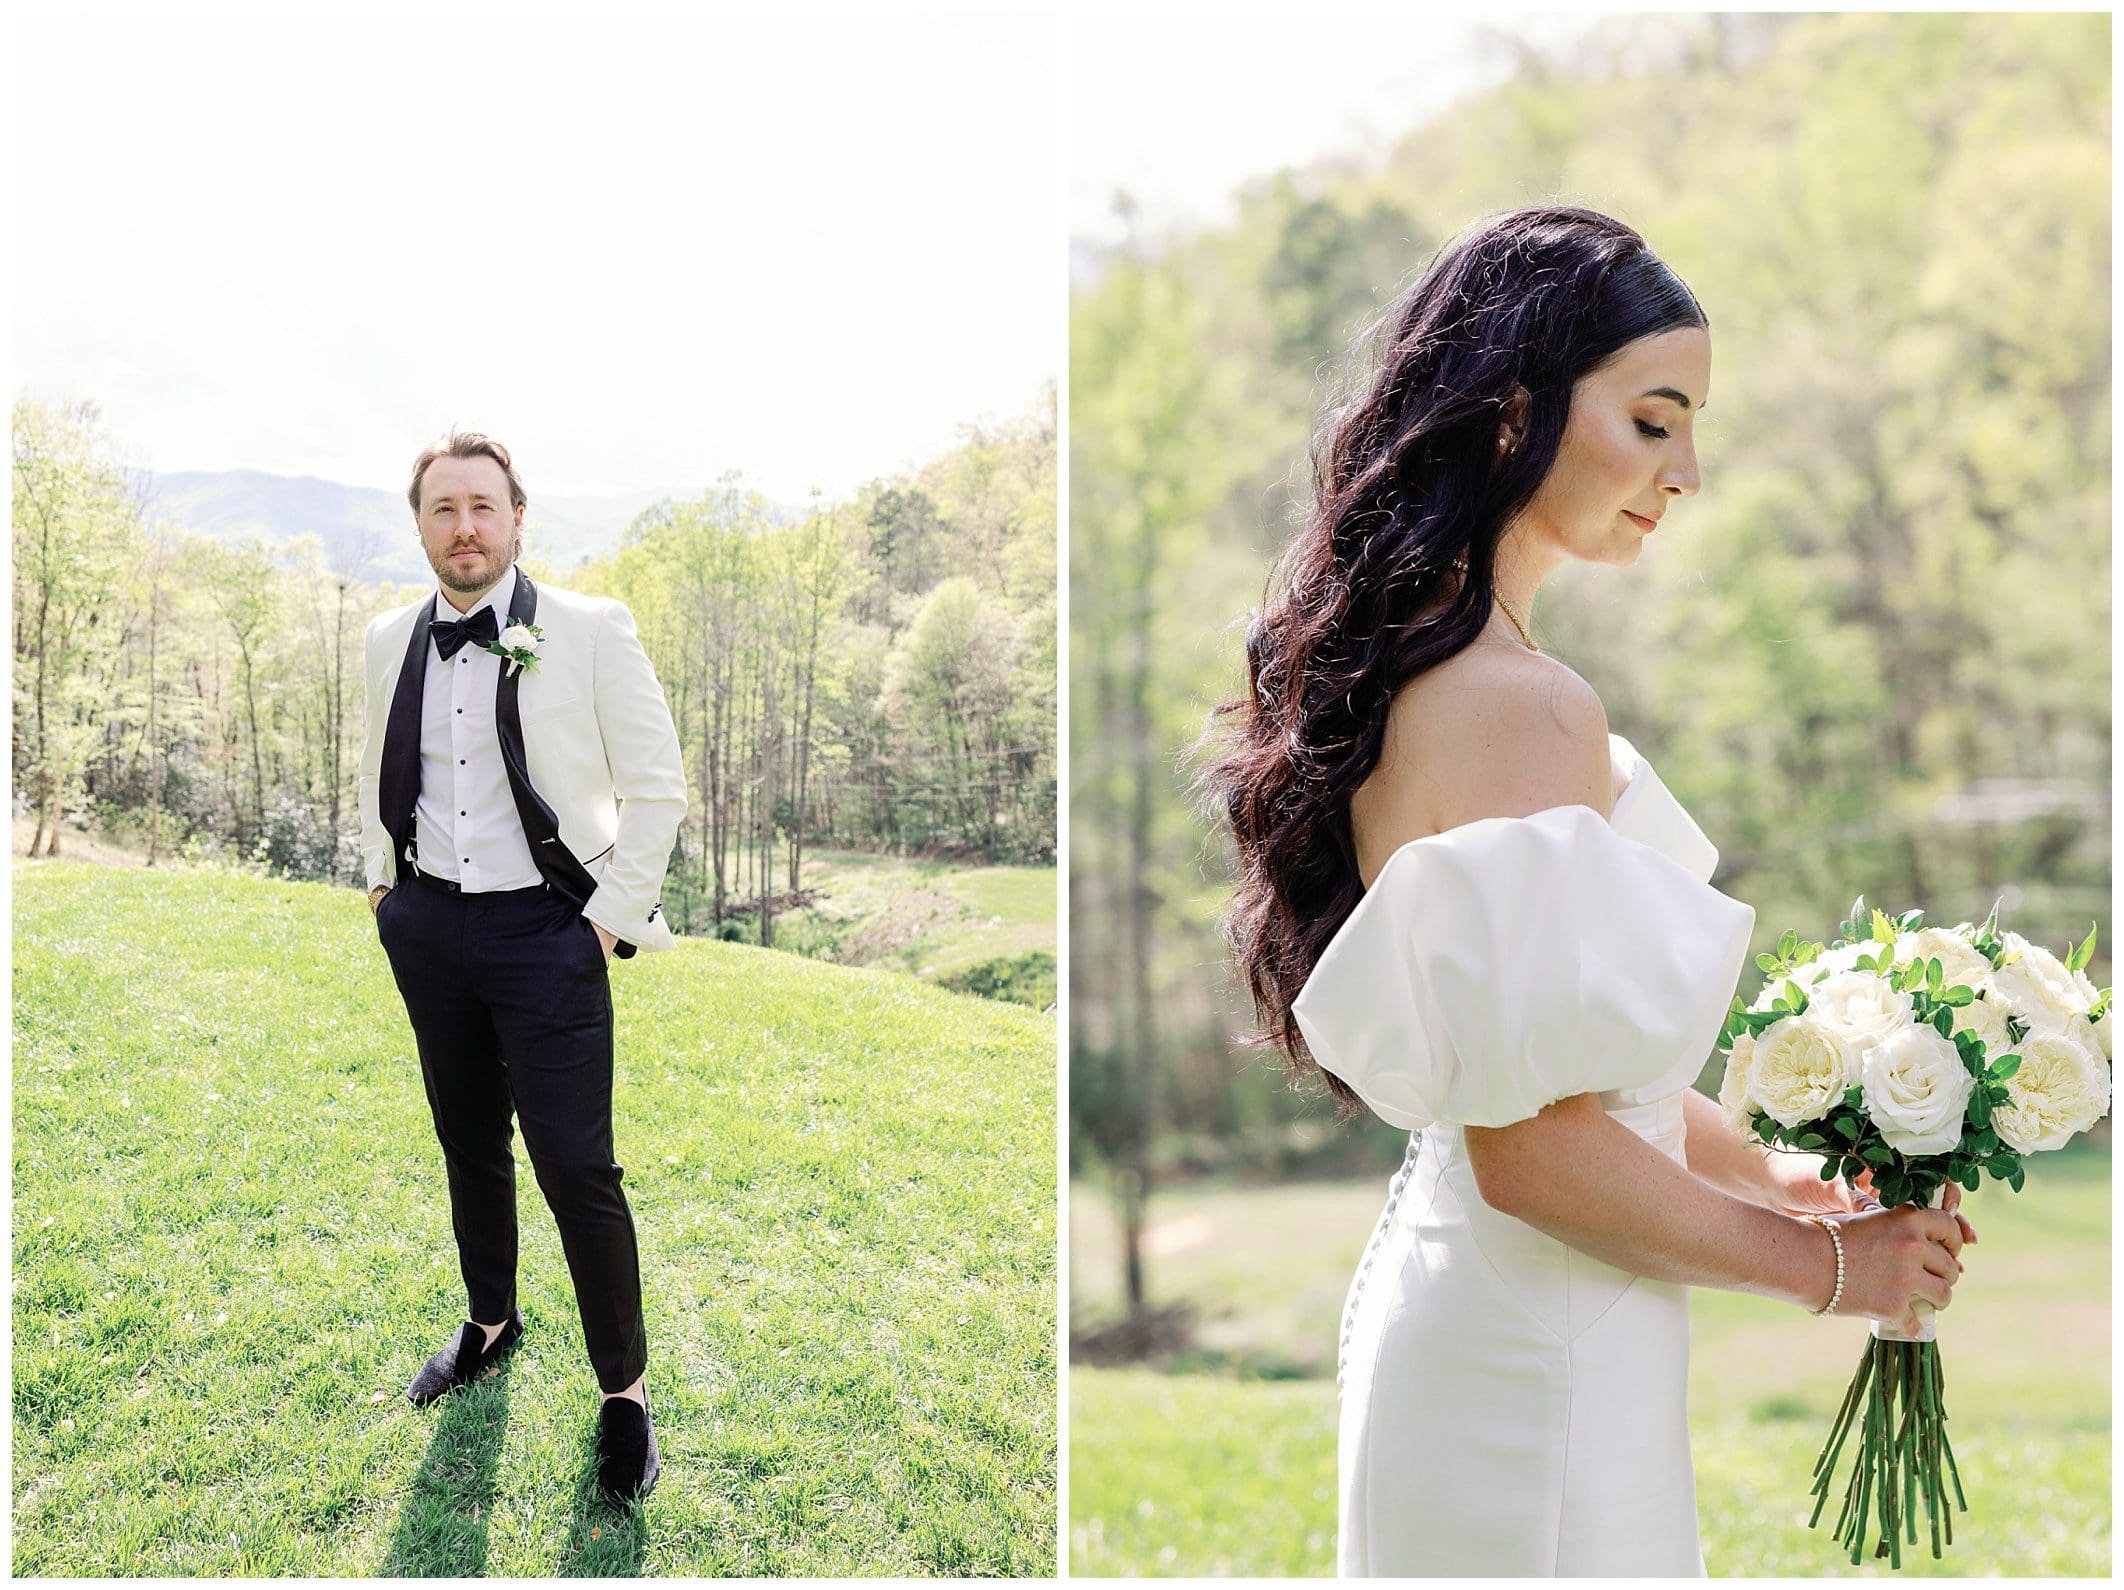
[452, 633]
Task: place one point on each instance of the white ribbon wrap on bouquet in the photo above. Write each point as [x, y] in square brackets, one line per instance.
[1885, 1331]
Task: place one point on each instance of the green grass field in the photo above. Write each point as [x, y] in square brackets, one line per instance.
[1215, 1470]
[232, 1250]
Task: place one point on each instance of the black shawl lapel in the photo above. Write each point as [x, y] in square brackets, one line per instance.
[398, 781]
[568, 876]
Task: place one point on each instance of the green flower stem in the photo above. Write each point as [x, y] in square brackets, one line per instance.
[1825, 1465]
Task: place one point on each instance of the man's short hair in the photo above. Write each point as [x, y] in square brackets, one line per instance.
[465, 444]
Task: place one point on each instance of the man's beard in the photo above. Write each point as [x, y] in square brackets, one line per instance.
[492, 567]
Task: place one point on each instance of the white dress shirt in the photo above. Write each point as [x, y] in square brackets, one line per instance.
[465, 822]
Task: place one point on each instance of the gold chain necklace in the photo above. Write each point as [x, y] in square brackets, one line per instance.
[1516, 624]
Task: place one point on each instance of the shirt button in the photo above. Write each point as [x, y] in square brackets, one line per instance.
[460, 712]
[460, 761]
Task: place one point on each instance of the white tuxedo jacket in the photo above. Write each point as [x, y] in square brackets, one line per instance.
[598, 745]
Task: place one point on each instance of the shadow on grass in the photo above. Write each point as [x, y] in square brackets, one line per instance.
[604, 1541]
[442, 1525]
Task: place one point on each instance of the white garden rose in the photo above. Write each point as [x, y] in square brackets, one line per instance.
[1916, 1089]
[2061, 1089]
[2082, 1032]
[1961, 962]
[2101, 1032]
[1859, 1007]
[517, 636]
[1844, 958]
[2039, 988]
[1987, 1019]
[1799, 1070]
[1733, 1099]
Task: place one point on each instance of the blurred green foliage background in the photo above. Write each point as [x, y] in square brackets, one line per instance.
[1872, 655]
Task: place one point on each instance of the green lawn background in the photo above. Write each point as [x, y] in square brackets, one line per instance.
[1226, 1464]
[231, 1251]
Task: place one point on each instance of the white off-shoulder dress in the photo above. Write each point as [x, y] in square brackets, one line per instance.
[1510, 1405]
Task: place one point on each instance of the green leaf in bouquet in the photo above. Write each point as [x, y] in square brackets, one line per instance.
[1786, 944]
[1808, 953]
[1854, 1097]
[1971, 1048]
[2005, 1066]
[1910, 921]
[1935, 976]
[1883, 929]
[1796, 997]
[1831, 1170]
[2017, 1178]
[1970, 1180]
[1765, 1128]
[2085, 952]
[1942, 1022]
[1876, 1153]
[1959, 995]
[1984, 1143]
[1811, 1141]
[1850, 925]
[2016, 1028]
[1766, 963]
[1979, 1111]
[2100, 1008]
[1854, 1167]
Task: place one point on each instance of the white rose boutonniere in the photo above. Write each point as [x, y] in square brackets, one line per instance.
[1916, 1089]
[518, 646]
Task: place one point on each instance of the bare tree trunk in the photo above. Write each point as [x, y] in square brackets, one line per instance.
[154, 748]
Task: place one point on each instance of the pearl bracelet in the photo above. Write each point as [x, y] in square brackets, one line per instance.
[1837, 1238]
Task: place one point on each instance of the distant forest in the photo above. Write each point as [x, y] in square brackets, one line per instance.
[878, 674]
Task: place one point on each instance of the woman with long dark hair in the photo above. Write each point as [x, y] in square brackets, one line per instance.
[1472, 910]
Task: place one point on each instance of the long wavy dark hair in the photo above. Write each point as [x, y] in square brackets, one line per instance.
[1391, 572]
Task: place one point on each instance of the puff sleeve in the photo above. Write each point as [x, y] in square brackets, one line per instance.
[1503, 965]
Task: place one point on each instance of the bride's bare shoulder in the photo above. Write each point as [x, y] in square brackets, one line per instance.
[1491, 732]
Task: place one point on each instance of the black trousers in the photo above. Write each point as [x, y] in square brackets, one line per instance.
[511, 1009]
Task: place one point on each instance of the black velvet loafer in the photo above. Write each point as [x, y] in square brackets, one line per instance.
[627, 1464]
[462, 1362]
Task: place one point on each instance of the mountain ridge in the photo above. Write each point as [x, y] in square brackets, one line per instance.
[367, 529]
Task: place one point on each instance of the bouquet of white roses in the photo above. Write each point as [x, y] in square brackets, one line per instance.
[1913, 1056]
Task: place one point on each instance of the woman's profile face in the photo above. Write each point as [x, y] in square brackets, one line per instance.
[1628, 449]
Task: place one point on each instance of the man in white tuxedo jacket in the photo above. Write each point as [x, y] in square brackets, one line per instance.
[521, 787]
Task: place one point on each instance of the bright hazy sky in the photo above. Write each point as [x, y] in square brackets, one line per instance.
[641, 252]
[1180, 111]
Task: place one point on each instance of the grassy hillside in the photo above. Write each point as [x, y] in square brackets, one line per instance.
[232, 1250]
[1211, 1471]
[983, 930]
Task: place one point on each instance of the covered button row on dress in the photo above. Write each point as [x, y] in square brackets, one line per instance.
[1395, 1188]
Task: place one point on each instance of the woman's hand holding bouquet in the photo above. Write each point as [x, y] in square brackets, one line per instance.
[1898, 1067]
